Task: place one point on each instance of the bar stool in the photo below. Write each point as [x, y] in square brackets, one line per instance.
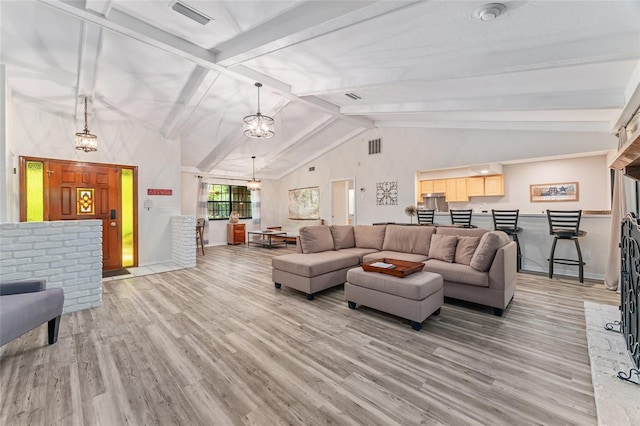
[425, 217]
[507, 222]
[565, 225]
[199, 237]
[462, 217]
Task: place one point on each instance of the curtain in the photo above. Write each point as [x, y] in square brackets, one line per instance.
[255, 210]
[618, 210]
[202, 207]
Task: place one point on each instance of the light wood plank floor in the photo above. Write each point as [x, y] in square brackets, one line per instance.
[219, 345]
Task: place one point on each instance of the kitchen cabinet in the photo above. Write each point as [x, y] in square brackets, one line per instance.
[440, 186]
[494, 185]
[460, 189]
[475, 186]
[456, 190]
[434, 185]
[426, 186]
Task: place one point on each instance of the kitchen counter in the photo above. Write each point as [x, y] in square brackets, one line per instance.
[535, 242]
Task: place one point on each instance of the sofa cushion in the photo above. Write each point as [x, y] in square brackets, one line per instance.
[314, 264]
[343, 236]
[457, 273]
[315, 239]
[486, 251]
[414, 286]
[408, 239]
[369, 236]
[465, 249]
[361, 252]
[411, 257]
[443, 247]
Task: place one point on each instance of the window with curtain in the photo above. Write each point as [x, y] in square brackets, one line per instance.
[223, 199]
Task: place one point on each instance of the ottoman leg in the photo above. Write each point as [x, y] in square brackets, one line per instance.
[417, 326]
[310, 296]
[352, 305]
[278, 285]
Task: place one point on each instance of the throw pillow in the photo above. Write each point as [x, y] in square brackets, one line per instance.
[486, 251]
[443, 247]
[408, 239]
[369, 236]
[465, 249]
[343, 236]
[315, 239]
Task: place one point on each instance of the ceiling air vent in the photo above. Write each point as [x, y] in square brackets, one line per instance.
[352, 96]
[190, 13]
[375, 146]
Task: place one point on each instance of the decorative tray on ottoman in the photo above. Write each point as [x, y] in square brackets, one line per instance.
[398, 268]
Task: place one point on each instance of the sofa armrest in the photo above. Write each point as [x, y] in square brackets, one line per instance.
[503, 269]
[18, 287]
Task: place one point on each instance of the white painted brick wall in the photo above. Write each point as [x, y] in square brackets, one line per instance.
[183, 241]
[67, 253]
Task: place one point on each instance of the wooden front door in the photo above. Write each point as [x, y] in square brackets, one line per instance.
[81, 191]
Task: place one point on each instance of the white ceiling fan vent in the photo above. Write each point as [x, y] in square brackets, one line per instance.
[352, 96]
[190, 12]
[375, 146]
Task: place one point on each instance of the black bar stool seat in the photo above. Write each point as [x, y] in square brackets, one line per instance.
[507, 222]
[565, 225]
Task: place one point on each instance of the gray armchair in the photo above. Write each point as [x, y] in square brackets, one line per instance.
[24, 305]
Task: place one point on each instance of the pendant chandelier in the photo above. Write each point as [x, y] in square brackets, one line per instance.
[257, 125]
[253, 184]
[85, 141]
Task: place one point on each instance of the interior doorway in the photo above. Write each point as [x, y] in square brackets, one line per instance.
[343, 208]
[68, 190]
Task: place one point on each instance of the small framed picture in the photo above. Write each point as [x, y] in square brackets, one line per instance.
[545, 192]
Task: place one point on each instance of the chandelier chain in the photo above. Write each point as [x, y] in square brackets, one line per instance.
[86, 124]
[258, 84]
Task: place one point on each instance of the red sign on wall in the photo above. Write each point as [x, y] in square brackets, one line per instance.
[151, 191]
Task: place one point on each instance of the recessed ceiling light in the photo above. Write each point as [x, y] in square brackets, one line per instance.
[484, 172]
[490, 11]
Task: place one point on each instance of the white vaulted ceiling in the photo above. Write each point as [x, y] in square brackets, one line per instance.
[542, 65]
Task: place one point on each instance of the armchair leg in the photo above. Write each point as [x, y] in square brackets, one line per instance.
[54, 326]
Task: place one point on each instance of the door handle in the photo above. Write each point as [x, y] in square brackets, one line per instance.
[113, 224]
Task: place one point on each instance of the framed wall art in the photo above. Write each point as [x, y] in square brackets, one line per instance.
[545, 192]
[304, 203]
[387, 193]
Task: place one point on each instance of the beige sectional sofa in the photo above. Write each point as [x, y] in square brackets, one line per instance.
[476, 265]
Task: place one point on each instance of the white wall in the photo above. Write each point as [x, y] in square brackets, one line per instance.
[7, 179]
[39, 133]
[217, 230]
[405, 151]
[591, 173]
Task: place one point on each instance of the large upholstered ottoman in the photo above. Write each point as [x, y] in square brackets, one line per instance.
[414, 297]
